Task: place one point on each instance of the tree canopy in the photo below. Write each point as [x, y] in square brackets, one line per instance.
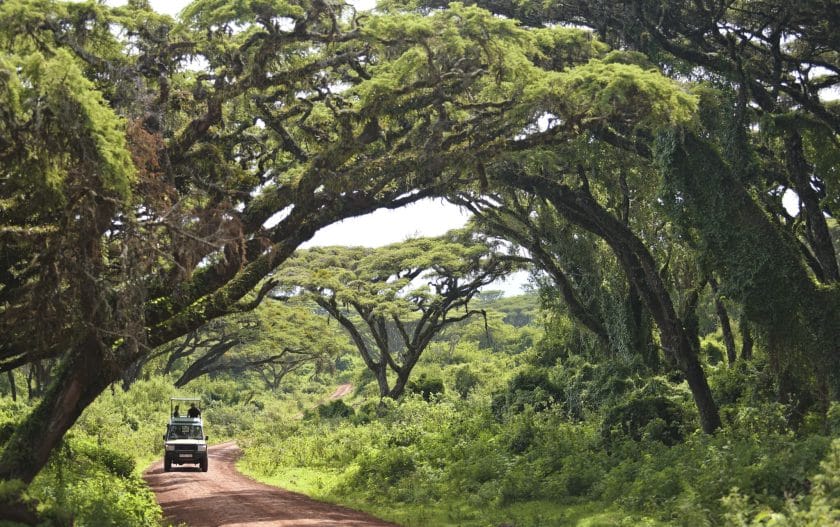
[155, 172]
[393, 301]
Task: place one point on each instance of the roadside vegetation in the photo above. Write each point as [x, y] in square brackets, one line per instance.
[503, 434]
[507, 422]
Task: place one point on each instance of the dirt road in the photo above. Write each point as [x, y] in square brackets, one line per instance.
[341, 391]
[224, 497]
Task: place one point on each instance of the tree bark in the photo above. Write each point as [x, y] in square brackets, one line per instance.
[818, 233]
[762, 267]
[205, 363]
[82, 377]
[579, 207]
[11, 375]
[746, 339]
[725, 326]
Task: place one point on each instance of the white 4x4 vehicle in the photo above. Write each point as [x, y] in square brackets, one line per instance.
[184, 441]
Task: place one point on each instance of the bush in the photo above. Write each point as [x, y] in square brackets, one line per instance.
[465, 381]
[88, 484]
[335, 409]
[426, 386]
[818, 509]
[384, 468]
[530, 388]
[713, 350]
[653, 417]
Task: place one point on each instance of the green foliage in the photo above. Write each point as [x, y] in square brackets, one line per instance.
[335, 409]
[465, 381]
[644, 416]
[816, 509]
[426, 386]
[713, 350]
[761, 269]
[625, 92]
[90, 484]
[529, 389]
[78, 128]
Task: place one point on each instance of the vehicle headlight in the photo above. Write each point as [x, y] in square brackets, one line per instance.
[170, 447]
[202, 448]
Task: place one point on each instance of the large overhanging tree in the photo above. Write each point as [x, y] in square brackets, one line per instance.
[394, 300]
[141, 161]
[769, 123]
[270, 342]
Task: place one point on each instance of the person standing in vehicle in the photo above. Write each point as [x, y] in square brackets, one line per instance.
[193, 411]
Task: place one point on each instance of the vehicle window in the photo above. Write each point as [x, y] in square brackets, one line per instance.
[186, 432]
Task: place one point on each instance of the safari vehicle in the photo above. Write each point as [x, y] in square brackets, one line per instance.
[184, 441]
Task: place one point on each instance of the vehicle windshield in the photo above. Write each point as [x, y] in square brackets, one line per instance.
[185, 432]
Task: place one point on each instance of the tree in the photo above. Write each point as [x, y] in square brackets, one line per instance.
[272, 341]
[763, 70]
[394, 300]
[137, 190]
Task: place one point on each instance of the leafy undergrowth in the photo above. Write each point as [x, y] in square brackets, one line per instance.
[91, 479]
[473, 461]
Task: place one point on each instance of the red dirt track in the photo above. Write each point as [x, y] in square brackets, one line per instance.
[224, 497]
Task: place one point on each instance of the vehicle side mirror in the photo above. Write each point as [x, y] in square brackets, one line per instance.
[207, 438]
[164, 437]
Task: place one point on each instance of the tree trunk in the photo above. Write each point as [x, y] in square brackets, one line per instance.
[725, 326]
[11, 375]
[763, 270]
[818, 234]
[641, 329]
[80, 381]
[399, 386]
[381, 372]
[642, 272]
[746, 340]
[579, 207]
[132, 373]
[205, 364]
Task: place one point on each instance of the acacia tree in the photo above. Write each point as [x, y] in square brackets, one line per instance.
[767, 126]
[394, 300]
[578, 276]
[137, 190]
[274, 340]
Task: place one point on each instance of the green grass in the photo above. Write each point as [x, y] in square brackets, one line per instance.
[452, 512]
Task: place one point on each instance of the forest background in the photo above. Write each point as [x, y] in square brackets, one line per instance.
[676, 362]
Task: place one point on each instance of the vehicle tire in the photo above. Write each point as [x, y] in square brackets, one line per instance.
[167, 464]
[203, 464]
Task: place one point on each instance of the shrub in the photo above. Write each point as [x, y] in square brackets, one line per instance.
[818, 509]
[335, 409]
[426, 386]
[654, 417]
[384, 468]
[713, 350]
[465, 381]
[530, 388]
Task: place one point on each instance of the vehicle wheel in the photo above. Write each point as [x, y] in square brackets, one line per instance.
[167, 464]
[203, 464]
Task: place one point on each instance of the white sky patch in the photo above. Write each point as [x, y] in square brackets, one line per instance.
[790, 201]
[429, 217]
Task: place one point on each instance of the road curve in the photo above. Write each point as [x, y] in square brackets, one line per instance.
[224, 497]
